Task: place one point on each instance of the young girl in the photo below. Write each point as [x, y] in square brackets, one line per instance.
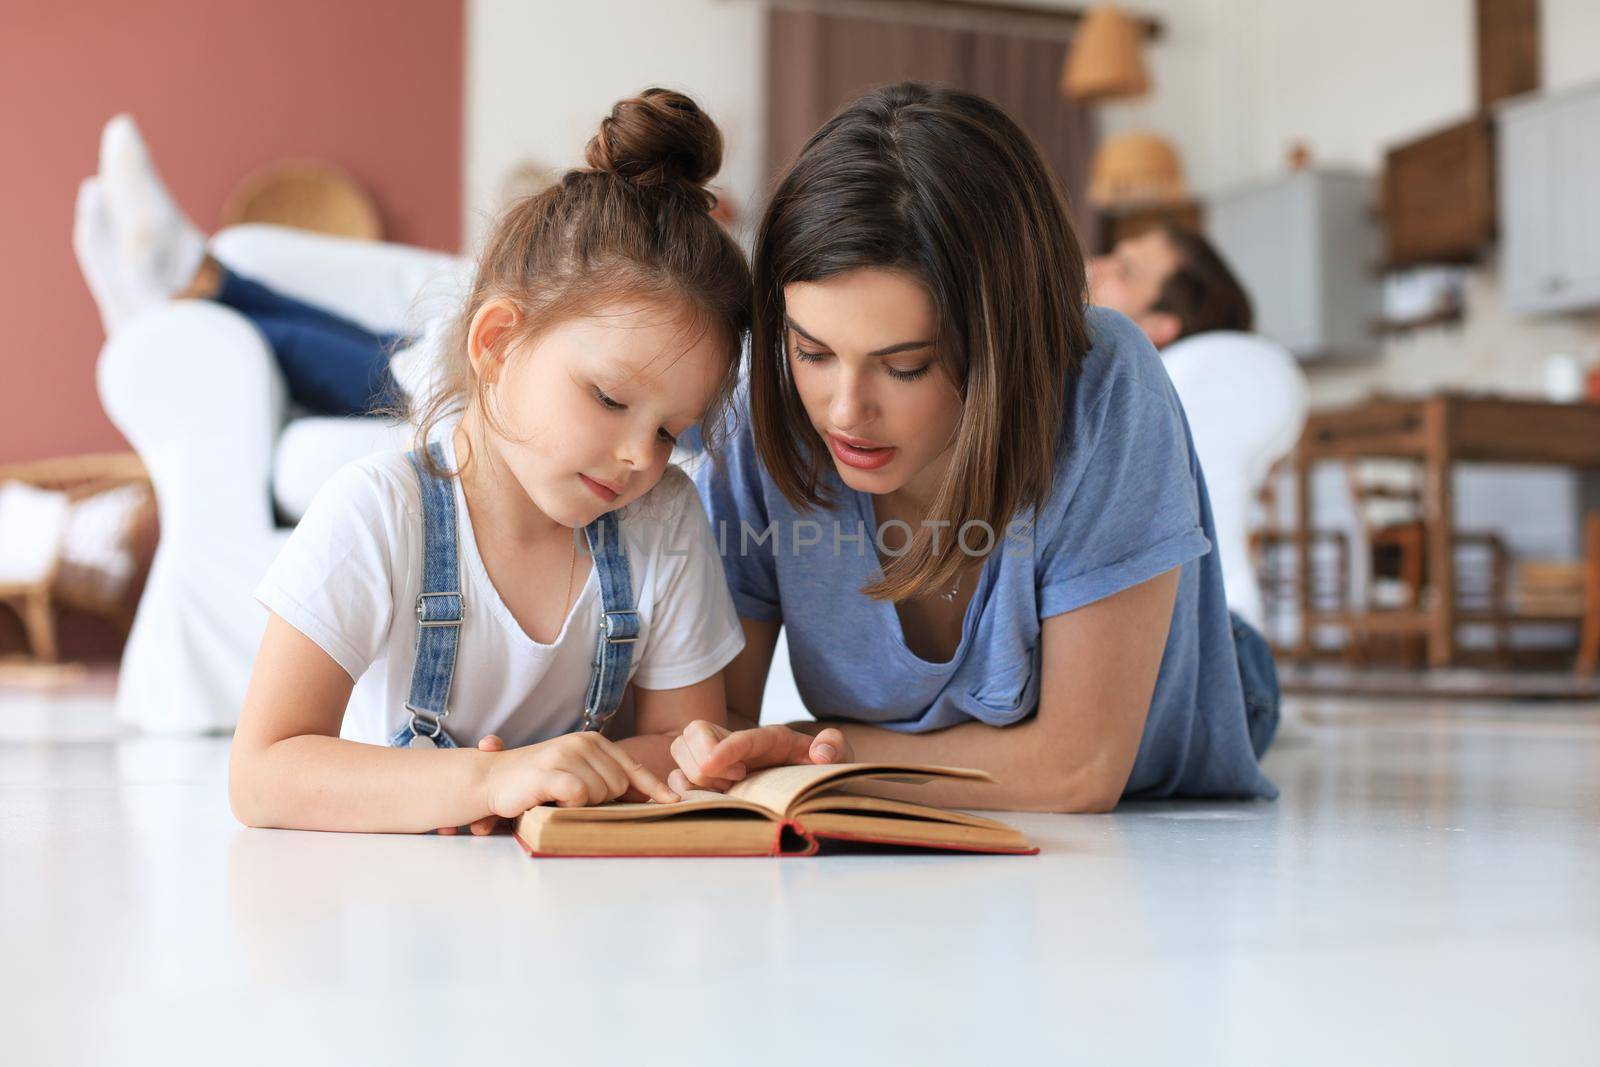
[433, 602]
[982, 523]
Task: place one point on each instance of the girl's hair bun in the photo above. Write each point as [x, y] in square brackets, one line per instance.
[659, 138]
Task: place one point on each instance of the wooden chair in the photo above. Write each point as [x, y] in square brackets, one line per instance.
[1589, 630]
[1397, 550]
[1274, 552]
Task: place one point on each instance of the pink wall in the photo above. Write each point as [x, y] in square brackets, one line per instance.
[219, 88]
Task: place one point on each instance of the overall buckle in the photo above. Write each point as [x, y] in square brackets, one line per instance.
[620, 627]
[422, 609]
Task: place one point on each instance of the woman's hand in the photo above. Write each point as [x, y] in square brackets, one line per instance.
[572, 770]
[713, 757]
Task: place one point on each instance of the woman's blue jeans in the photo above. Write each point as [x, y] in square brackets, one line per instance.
[331, 365]
[1259, 677]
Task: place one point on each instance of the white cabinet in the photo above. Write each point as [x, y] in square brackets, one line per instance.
[1550, 201]
[1305, 246]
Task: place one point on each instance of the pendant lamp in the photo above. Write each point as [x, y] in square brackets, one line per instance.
[1136, 169]
[1106, 60]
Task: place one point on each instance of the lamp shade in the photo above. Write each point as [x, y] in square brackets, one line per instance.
[1136, 168]
[1106, 60]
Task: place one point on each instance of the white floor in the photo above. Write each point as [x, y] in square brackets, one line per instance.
[1427, 890]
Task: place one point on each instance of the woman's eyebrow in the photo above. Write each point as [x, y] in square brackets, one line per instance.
[903, 346]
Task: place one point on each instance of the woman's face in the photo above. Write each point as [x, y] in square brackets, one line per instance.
[590, 407]
[861, 348]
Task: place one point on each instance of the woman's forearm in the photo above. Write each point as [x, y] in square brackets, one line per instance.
[1034, 769]
[1077, 751]
[315, 782]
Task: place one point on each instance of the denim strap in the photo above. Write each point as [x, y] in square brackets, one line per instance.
[440, 608]
[619, 622]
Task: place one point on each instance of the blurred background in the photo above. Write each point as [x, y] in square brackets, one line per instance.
[1405, 191]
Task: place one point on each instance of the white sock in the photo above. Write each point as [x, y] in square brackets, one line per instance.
[96, 248]
[159, 248]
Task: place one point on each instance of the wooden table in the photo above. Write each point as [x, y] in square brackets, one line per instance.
[1440, 431]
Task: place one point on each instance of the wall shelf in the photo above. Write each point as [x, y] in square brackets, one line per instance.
[1441, 317]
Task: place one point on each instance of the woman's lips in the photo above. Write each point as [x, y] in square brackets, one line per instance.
[600, 489]
[862, 456]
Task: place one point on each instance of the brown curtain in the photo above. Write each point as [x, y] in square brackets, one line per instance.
[817, 63]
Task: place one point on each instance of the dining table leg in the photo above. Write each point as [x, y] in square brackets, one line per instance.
[1439, 514]
[1302, 548]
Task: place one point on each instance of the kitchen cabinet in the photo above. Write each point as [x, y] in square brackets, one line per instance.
[1550, 201]
[1304, 246]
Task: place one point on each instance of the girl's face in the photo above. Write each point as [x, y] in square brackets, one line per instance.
[590, 407]
[861, 349]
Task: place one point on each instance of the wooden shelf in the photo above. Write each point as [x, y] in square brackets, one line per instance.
[1441, 317]
[1438, 195]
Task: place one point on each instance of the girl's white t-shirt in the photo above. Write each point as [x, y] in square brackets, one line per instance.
[350, 574]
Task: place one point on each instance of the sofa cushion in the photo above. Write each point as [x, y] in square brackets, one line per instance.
[310, 450]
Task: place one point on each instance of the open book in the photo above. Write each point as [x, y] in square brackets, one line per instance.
[780, 811]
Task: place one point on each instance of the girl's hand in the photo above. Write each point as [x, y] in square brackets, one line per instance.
[713, 757]
[572, 770]
[489, 823]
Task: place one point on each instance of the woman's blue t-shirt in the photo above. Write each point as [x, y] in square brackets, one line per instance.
[1128, 503]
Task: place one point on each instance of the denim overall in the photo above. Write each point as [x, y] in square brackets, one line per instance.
[441, 607]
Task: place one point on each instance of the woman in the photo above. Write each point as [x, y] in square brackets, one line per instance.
[972, 501]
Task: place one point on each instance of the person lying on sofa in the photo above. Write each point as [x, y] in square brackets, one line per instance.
[1172, 283]
[1245, 395]
[137, 248]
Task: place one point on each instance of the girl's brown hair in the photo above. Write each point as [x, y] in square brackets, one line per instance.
[634, 224]
[943, 185]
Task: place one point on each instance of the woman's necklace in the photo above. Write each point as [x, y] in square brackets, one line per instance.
[949, 595]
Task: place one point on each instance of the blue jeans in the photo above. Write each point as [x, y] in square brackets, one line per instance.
[331, 365]
[1259, 678]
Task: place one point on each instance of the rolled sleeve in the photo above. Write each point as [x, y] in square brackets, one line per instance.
[1130, 510]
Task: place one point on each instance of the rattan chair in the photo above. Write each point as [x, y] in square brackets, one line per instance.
[37, 602]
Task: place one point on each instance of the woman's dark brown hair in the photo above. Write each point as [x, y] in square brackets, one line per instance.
[634, 224]
[943, 185]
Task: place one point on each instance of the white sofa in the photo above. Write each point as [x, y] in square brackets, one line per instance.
[198, 394]
[1246, 400]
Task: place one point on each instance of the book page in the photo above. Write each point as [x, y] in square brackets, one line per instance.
[844, 800]
[778, 788]
[694, 801]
